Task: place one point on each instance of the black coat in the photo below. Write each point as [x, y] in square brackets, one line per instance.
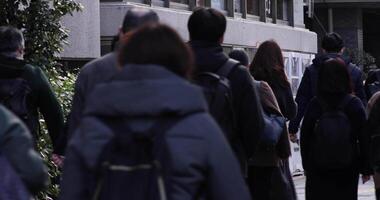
[340, 184]
[203, 164]
[285, 100]
[209, 57]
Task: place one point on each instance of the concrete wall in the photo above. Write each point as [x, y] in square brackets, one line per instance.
[84, 39]
[240, 32]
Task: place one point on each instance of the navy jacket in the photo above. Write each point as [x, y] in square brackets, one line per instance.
[203, 162]
[97, 71]
[209, 57]
[357, 116]
[308, 87]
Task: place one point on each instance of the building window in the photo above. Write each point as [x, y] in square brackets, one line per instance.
[253, 7]
[219, 4]
[180, 1]
[282, 9]
[237, 5]
[268, 8]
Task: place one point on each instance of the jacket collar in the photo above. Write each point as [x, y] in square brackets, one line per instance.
[208, 56]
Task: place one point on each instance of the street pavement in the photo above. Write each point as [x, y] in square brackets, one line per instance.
[366, 191]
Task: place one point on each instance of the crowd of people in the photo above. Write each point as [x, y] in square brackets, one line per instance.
[160, 118]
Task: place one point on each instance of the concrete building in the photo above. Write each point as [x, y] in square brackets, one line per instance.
[250, 22]
[355, 20]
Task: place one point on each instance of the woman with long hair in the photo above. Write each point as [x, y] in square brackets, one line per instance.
[269, 176]
[268, 66]
[334, 148]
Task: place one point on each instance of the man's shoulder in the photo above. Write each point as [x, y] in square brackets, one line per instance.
[96, 65]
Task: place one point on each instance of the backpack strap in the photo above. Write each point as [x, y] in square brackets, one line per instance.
[227, 67]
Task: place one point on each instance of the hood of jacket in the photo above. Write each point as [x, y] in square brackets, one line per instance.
[208, 56]
[11, 67]
[145, 91]
[320, 59]
[138, 97]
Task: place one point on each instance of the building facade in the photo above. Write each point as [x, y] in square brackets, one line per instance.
[355, 20]
[250, 22]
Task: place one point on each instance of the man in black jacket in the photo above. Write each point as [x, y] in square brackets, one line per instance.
[207, 28]
[104, 68]
[41, 97]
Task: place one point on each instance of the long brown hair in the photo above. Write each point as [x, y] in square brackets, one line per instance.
[268, 65]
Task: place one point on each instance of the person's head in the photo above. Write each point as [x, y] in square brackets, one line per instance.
[207, 24]
[240, 56]
[137, 17]
[159, 45]
[332, 43]
[268, 64]
[12, 42]
[334, 79]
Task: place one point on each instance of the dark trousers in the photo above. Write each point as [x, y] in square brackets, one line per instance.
[271, 183]
[332, 185]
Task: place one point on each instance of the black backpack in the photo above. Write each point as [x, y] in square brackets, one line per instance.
[13, 95]
[373, 87]
[217, 91]
[11, 185]
[129, 167]
[332, 146]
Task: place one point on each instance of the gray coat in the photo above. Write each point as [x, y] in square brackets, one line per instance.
[97, 71]
[203, 162]
[16, 145]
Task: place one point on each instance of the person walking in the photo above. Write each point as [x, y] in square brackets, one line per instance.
[103, 69]
[334, 148]
[149, 132]
[206, 29]
[26, 91]
[333, 47]
[273, 180]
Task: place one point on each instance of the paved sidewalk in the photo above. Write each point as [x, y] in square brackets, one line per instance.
[366, 191]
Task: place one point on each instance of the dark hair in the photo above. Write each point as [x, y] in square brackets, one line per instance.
[137, 17]
[206, 24]
[268, 65]
[160, 45]
[332, 43]
[240, 56]
[115, 42]
[333, 79]
[11, 39]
